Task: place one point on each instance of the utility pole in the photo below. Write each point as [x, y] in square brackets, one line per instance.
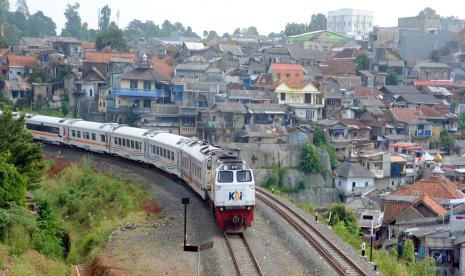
[371, 242]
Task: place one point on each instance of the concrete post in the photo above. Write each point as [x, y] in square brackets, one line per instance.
[462, 259]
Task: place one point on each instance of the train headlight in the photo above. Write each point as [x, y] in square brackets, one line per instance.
[221, 209]
[248, 208]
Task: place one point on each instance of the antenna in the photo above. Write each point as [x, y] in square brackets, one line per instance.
[117, 18]
[98, 19]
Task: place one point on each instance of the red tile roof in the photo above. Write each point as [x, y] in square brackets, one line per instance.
[392, 209]
[163, 65]
[295, 84]
[404, 114]
[436, 187]
[429, 112]
[432, 204]
[367, 92]
[88, 45]
[438, 83]
[339, 67]
[99, 57]
[286, 66]
[23, 61]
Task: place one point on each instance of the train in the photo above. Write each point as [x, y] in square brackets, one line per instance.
[218, 176]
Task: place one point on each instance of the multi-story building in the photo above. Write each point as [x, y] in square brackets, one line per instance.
[356, 24]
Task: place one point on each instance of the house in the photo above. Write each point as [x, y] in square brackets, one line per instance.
[143, 89]
[356, 130]
[252, 96]
[408, 123]
[265, 114]
[263, 134]
[49, 94]
[192, 71]
[375, 161]
[287, 72]
[426, 70]
[233, 49]
[299, 92]
[350, 175]
[222, 122]
[18, 91]
[299, 135]
[21, 66]
[91, 80]
[4, 52]
[305, 57]
[392, 92]
[274, 54]
[415, 100]
[372, 78]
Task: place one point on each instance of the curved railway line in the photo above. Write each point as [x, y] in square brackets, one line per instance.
[330, 252]
[242, 255]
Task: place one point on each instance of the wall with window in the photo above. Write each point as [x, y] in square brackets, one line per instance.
[347, 185]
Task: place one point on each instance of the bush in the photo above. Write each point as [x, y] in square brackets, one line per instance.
[310, 160]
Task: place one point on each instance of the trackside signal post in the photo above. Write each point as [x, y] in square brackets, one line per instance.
[188, 247]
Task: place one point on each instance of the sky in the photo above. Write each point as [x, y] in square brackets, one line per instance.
[225, 16]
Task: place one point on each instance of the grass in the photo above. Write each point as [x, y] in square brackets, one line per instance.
[90, 206]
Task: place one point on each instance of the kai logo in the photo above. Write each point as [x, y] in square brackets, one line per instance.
[236, 196]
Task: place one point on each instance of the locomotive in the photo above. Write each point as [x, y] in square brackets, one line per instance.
[216, 175]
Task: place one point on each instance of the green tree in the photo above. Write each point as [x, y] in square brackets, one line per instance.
[237, 31]
[361, 61]
[4, 43]
[317, 23]
[26, 156]
[295, 29]
[112, 37]
[21, 6]
[4, 6]
[205, 34]
[392, 78]
[462, 123]
[39, 75]
[340, 213]
[212, 35]
[12, 183]
[310, 159]
[41, 25]
[137, 29]
[131, 117]
[408, 253]
[435, 55]
[446, 140]
[225, 35]
[319, 136]
[252, 31]
[104, 22]
[73, 21]
[167, 28]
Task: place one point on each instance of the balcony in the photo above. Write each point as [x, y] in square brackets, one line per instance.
[130, 92]
[188, 130]
[214, 124]
[423, 133]
[377, 173]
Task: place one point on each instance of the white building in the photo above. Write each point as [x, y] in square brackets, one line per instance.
[356, 24]
[351, 175]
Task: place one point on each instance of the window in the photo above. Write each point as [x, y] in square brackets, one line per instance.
[147, 103]
[78, 134]
[288, 75]
[283, 96]
[116, 141]
[158, 151]
[244, 176]
[279, 76]
[73, 133]
[225, 176]
[119, 141]
[366, 183]
[132, 144]
[94, 137]
[133, 84]
[102, 138]
[87, 136]
[124, 142]
[43, 128]
[90, 93]
[353, 184]
[147, 85]
[164, 153]
[172, 156]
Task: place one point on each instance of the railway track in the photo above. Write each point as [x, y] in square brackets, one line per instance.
[330, 252]
[243, 257]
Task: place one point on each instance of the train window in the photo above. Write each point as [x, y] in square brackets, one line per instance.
[209, 164]
[93, 136]
[164, 153]
[132, 144]
[244, 176]
[225, 176]
[78, 134]
[43, 128]
[119, 141]
[116, 141]
[102, 138]
[73, 133]
[172, 156]
[86, 135]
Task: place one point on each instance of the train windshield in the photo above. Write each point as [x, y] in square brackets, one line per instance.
[244, 176]
[225, 177]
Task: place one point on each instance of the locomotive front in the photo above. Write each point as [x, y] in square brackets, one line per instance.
[234, 196]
